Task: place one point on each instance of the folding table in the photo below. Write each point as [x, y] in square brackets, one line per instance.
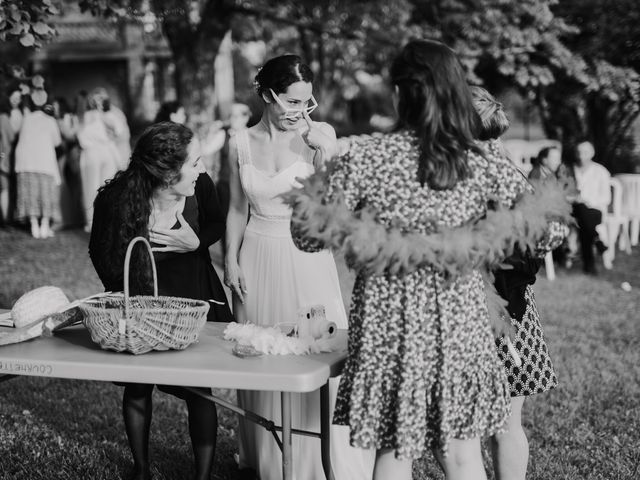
[70, 353]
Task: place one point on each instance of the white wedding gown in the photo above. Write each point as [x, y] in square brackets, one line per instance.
[280, 279]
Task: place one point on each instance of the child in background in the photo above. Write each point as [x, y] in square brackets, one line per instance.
[510, 450]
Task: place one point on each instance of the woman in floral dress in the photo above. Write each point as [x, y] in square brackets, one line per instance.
[422, 371]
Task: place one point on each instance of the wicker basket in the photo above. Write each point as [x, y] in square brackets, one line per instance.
[140, 323]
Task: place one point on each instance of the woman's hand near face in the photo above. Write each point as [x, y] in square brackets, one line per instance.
[320, 139]
[180, 240]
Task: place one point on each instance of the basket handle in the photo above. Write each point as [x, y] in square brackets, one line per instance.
[127, 259]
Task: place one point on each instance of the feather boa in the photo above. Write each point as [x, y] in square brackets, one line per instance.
[373, 248]
[272, 341]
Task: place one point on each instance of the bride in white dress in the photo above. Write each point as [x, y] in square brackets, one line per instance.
[269, 276]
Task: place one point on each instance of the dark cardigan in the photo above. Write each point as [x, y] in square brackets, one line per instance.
[190, 274]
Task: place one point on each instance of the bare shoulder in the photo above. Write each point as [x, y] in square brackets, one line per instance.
[326, 128]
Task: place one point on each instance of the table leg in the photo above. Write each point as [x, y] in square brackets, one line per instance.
[325, 431]
[287, 464]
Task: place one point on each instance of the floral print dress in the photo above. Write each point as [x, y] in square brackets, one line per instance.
[422, 366]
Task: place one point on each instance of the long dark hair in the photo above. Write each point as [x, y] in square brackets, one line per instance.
[155, 163]
[434, 102]
[280, 72]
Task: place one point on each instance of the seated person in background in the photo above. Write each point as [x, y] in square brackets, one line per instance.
[591, 202]
[546, 163]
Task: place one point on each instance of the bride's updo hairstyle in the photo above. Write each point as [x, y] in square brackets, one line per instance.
[280, 72]
[434, 102]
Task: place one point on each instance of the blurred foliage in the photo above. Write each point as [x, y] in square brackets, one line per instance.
[347, 44]
[576, 60]
[604, 107]
[25, 21]
[514, 42]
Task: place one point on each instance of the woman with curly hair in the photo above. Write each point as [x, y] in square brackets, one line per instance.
[164, 196]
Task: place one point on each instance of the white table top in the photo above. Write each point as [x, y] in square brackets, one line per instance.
[70, 353]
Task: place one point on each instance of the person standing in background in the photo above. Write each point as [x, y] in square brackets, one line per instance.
[68, 161]
[99, 158]
[7, 137]
[17, 99]
[117, 127]
[37, 166]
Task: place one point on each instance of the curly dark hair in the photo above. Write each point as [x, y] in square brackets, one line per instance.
[157, 158]
[434, 101]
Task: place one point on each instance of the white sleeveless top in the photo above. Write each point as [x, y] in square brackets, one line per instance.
[263, 189]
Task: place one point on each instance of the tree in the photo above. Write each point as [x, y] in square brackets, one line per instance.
[605, 107]
[340, 41]
[25, 21]
[195, 30]
[577, 61]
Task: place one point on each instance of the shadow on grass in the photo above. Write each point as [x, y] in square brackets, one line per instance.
[585, 429]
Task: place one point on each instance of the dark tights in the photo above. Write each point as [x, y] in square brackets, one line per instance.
[203, 428]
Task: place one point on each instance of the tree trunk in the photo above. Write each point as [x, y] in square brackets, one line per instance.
[195, 48]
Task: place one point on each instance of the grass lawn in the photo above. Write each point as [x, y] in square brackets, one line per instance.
[586, 429]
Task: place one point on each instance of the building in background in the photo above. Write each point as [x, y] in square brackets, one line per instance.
[131, 59]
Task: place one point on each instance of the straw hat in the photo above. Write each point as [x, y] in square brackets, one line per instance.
[37, 304]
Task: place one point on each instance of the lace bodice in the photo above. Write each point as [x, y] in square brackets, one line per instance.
[262, 189]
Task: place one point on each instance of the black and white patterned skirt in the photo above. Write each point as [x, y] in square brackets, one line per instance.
[536, 374]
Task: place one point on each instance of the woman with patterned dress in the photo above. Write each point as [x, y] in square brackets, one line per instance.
[422, 371]
[510, 449]
[269, 277]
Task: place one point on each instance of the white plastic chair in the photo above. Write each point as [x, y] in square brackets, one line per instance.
[631, 203]
[615, 226]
